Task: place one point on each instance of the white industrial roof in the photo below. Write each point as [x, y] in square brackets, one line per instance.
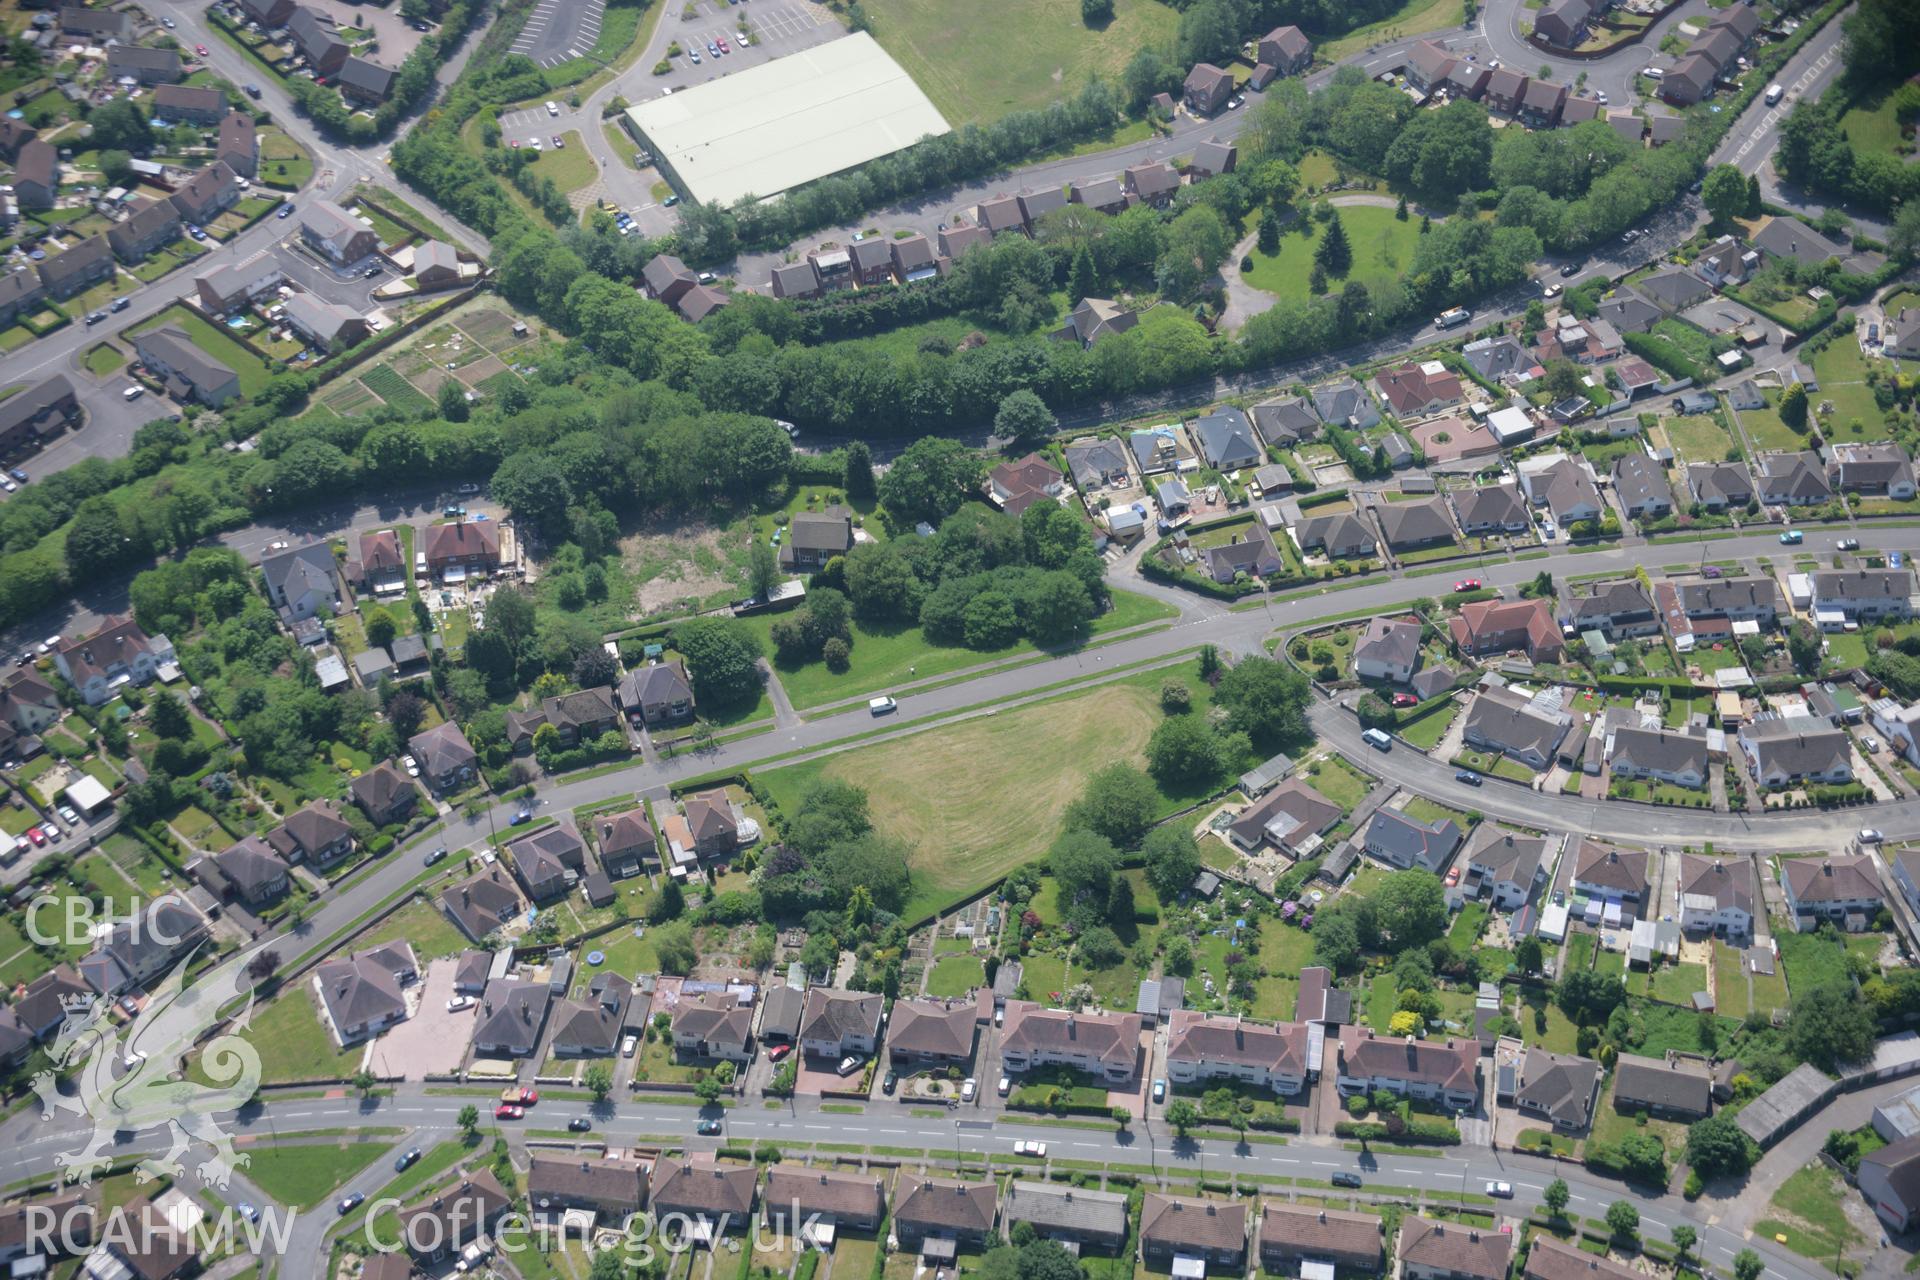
[773, 127]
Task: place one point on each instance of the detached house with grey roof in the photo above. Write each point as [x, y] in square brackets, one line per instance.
[1494, 508]
[303, 581]
[1226, 440]
[1504, 865]
[1641, 485]
[1346, 403]
[1881, 469]
[1719, 485]
[837, 1024]
[1508, 723]
[1406, 842]
[1286, 420]
[1792, 479]
[1559, 1088]
[1388, 649]
[1789, 751]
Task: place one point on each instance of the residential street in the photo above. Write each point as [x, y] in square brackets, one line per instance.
[431, 1116]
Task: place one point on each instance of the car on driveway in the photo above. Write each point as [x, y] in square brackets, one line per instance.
[779, 1052]
[1453, 877]
[458, 1003]
[1502, 1190]
[1159, 1090]
[1405, 700]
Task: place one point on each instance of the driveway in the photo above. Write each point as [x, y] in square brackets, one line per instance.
[432, 1041]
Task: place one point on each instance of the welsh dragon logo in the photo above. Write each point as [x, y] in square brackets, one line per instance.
[129, 1082]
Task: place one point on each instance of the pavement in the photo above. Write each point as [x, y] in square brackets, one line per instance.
[31, 1145]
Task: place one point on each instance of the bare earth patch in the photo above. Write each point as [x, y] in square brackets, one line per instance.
[676, 565]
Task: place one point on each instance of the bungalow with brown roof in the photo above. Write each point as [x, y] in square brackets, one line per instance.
[1180, 1226]
[1414, 389]
[1015, 486]
[1501, 626]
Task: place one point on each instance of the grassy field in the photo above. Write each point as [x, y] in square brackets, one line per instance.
[303, 1175]
[252, 370]
[570, 167]
[1807, 1209]
[1870, 124]
[974, 76]
[1416, 17]
[1382, 250]
[977, 799]
[884, 658]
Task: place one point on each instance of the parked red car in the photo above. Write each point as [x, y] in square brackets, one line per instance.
[779, 1052]
[38, 836]
[1405, 700]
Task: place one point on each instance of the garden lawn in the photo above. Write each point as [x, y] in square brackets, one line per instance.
[976, 799]
[1767, 429]
[1730, 997]
[1700, 438]
[1871, 125]
[1426, 732]
[1383, 248]
[424, 925]
[1012, 55]
[304, 1174]
[253, 371]
[1842, 372]
[1338, 781]
[294, 1044]
[103, 359]
[1676, 983]
[1810, 961]
[956, 976]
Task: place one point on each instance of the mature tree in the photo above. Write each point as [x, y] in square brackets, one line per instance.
[668, 903]
[1623, 1220]
[600, 1081]
[1793, 406]
[1085, 863]
[533, 484]
[1903, 241]
[1336, 941]
[379, 626]
[1081, 277]
[721, 655]
[1184, 750]
[1267, 240]
[930, 479]
[1803, 644]
[1874, 35]
[881, 581]
[674, 947]
[1556, 1197]
[1121, 911]
[1096, 12]
[1444, 152]
[452, 401]
[1334, 255]
[858, 476]
[168, 715]
[1724, 192]
[763, 570]
[468, 1119]
[263, 965]
[1265, 699]
[1747, 1265]
[1182, 1115]
[1172, 860]
[1023, 419]
[1717, 1145]
[120, 125]
[405, 712]
[1119, 803]
[1587, 997]
[1831, 1027]
[99, 539]
[1409, 909]
[1684, 1238]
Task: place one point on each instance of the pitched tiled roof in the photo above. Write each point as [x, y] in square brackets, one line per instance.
[1454, 1247]
[1181, 1222]
[1559, 1084]
[932, 1026]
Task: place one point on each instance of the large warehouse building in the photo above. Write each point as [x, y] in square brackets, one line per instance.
[770, 128]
